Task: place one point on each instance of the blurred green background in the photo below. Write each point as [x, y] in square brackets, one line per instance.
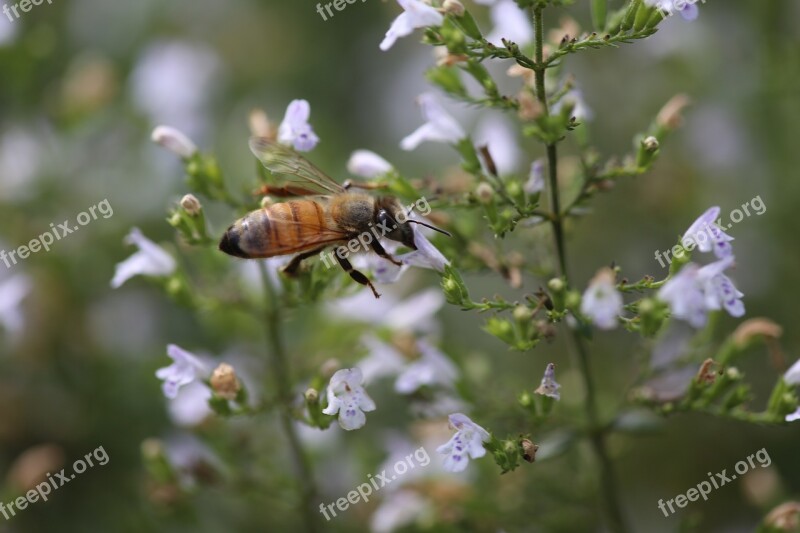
[82, 84]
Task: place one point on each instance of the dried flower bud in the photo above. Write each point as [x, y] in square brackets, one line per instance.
[191, 205]
[260, 126]
[756, 327]
[174, 141]
[529, 107]
[453, 7]
[329, 368]
[224, 382]
[529, 450]
[670, 116]
[785, 517]
[707, 372]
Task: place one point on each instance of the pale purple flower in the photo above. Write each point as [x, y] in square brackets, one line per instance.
[12, 291]
[383, 359]
[150, 260]
[347, 397]
[416, 14]
[465, 444]
[415, 313]
[498, 135]
[440, 126]
[792, 376]
[190, 407]
[367, 164]
[295, 129]
[510, 23]
[696, 290]
[535, 181]
[549, 387]
[602, 302]
[399, 509]
[708, 235]
[174, 140]
[185, 369]
[426, 255]
[687, 8]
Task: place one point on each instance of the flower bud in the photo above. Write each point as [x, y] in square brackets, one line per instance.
[484, 192]
[311, 395]
[260, 126]
[650, 144]
[453, 7]
[174, 141]
[522, 313]
[556, 285]
[670, 117]
[224, 382]
[529, 450]
[191, 205]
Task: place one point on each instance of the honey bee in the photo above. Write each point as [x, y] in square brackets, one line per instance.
[333, 215]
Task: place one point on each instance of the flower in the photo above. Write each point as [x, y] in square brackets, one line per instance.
[432, 368]
[150, 260]
[687, 8]
[415, 313]
[12, 291]
[399, 509]
[696, 290]
[510, 23]
[792, 376]
[580, 110]
[465, 444]
[793, 416]
[295, 129]
[535, 181]
[602, 302]
[347, 397]
[497, 134]
[708, 235]
[367, 164]
[416, 14]
[549, 387]
[174, 140]
[440, 126]
[184, 370]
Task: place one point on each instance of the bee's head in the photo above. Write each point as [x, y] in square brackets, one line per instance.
[392, 222]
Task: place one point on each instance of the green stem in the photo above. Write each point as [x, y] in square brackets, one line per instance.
[597, 432]
[282, 383]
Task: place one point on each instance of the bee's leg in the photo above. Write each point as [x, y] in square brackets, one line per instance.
[349, 184]
[356, 275]
[291, 269]
[378, 249]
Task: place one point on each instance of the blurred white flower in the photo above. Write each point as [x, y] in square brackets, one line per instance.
[511, 23]
[687, 8]
[414, 313]
[439, 125]
[150, 260]
[497, 133]
[792, 376]
[190, 407]
[295, 129]
[21, 155]
[426, 255]
[383, 359]
[602, 302]
[535, 181]
[185, 369]
[367, 164]
[8, 33]
[173, 83]
[694, 291]
[708, 236]
[174, 140]
[416, 14]
[465, 444]
[347, 397]
[432, 368]
[793, 416]
[580, 110]
[12, 291]
[399, 509]
[549, 387]
[185, 453]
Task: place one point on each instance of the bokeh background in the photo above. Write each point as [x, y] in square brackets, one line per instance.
[83, 83]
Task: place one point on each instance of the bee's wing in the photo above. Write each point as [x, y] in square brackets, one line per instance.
[283, 160]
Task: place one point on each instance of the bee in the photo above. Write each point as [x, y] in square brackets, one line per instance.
[332, 215]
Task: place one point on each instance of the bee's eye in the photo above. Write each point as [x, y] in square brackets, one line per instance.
[384, 220]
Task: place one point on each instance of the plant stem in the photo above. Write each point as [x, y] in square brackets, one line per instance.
[280, 369]
[613, 509]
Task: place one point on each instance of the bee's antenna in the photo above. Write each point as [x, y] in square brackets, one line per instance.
[430, 226]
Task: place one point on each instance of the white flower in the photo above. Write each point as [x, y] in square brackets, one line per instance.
[687, 8]
[549, 387]
[580, 110]
[383, 359]
[694, 291]
[432, 368]
[185, 369]
[497, 134]
[792, 376]
[708, 236]
[295, 129]
[399, 509]
[150, 260]
[416, 14]
[190, 407]
[510, 23]
[793, 416]
[174, 140]
[347, 397]
[440, 126]
[415, 313]
[12, 291]
[426, 255]
[535, 181]
[465, 444]
[367, 164]
[602, 302]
